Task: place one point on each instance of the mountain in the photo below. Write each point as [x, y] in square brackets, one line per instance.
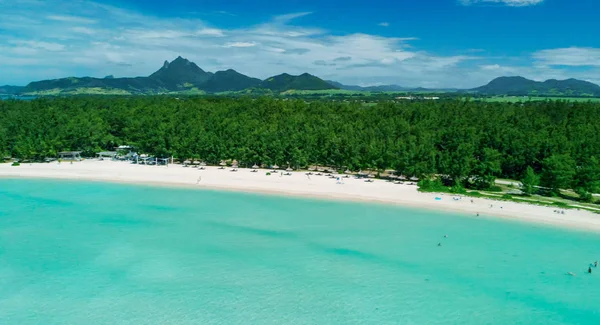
[305, 81]
[380, 88]
[180, 73]
[229, 80]
[519, 86]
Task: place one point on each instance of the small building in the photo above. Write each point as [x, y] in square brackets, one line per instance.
[70, 155]
[107, 154]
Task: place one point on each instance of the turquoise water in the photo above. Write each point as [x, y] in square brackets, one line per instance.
[95, 253]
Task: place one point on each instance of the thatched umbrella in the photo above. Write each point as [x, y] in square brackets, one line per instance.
[234, 163]
[275, 167]
[187, 162]
[196, 162]
[347, 172]
[255, 166]
[320, 169]
[203, 164]
[223, 163]
[402, 177]
[312, 168]
[371, 176]
[289, 169]
[361, 173]
[414, 179]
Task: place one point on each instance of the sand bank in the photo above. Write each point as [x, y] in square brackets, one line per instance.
[299, 184]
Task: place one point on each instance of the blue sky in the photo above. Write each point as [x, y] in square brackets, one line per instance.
[428, 43]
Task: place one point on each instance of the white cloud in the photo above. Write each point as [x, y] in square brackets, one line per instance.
[384, 24]
[240, 44]
[210, 32]
[512, 3]
[572, 56]
[52, 47]
[289, 17]
[72, 19]
[83, 30]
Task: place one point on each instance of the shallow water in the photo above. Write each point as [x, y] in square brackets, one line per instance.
[96, 253]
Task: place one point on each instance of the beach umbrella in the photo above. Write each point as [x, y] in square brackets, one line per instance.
[203, 164]
[289, 169]
[371, 176]
[255, 166]
[347, 172]
[312, 168]
[196, 162]
[187, 162]
[402, 177]
[320, 169]
[234, 162]
[414, 179]
[222, 163]
[361, 173]
[275, 167]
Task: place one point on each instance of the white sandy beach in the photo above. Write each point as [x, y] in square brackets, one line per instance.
[299, 185]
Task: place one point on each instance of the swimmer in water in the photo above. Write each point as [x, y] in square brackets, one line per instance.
[478, 214]
[590, 270]
[571, 274]
[596, 264]
[445, 236]
[439, 244]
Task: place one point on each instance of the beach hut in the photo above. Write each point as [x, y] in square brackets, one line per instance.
[107, 154]
[70, 155]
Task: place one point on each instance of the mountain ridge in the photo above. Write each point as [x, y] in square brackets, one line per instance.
[520, 86]
[184, 76]
[179, 75]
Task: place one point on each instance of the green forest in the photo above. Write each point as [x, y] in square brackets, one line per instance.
[465, 143]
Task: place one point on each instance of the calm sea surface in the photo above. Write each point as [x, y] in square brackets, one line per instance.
[95, 253]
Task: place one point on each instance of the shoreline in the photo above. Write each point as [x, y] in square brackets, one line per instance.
[299, 185]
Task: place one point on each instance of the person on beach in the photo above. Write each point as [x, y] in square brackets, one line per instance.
[199, 179]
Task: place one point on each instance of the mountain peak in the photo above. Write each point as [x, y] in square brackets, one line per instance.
[180, 73]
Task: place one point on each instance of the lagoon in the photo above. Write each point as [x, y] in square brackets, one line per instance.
[102, 253]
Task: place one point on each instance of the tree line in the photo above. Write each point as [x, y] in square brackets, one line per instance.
[469, 143]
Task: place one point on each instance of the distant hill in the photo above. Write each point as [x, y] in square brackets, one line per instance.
[519, 86]
[285, 82]
[10, 90]
[229, 80]
[380, 88]
[388, 88]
